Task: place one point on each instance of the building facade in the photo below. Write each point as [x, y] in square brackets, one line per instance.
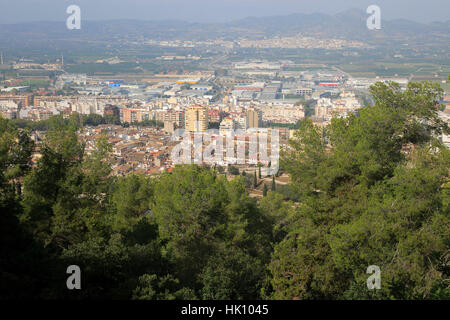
[196, 118]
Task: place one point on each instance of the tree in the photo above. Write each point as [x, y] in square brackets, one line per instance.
[54, 180]
[152, 287]
[93, 120]
[16, 148]
[22, 258]
[199, 214]
[130, 200]
[370, 189]
[63, 195]
[220, 169]
[113, 267]
[279, 212]
[233, 170]
[302, 162]
[112, 119]
[362, 193]
[232, 274]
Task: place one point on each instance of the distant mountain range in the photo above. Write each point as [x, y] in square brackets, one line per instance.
[349, 25]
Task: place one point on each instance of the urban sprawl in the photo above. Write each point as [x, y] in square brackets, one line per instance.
[251, 94]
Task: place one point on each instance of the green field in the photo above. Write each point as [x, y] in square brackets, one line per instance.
[34, 83]
[397, 69]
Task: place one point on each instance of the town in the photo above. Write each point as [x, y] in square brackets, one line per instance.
[139, 118]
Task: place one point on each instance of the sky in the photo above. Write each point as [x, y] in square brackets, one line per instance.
[16, 11]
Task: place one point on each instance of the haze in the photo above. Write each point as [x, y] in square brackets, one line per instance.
[15, 11]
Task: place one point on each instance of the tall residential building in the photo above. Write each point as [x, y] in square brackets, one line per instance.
[227, 126]
[22, 100]
[176, 116]
[254, 118]
[242, 122]
[215, 115]
[196, 118]
[131, 115]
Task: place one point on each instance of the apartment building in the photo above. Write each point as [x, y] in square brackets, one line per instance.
[196, 118]
[254, 118]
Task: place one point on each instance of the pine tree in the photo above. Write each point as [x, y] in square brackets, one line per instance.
[366, 179]
[265, 190]
[255, 180]
[274, 185]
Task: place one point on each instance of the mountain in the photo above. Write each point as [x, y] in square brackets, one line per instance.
[349, 25]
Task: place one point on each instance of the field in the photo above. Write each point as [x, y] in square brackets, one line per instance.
[417, 71]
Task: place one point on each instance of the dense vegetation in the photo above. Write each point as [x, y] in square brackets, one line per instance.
[371, 189]
[86, 120]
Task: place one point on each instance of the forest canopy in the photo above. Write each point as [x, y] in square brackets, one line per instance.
[370, 189]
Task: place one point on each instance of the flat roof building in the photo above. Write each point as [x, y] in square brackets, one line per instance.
[196, 118]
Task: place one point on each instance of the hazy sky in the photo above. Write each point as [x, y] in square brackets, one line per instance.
[12, 11]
